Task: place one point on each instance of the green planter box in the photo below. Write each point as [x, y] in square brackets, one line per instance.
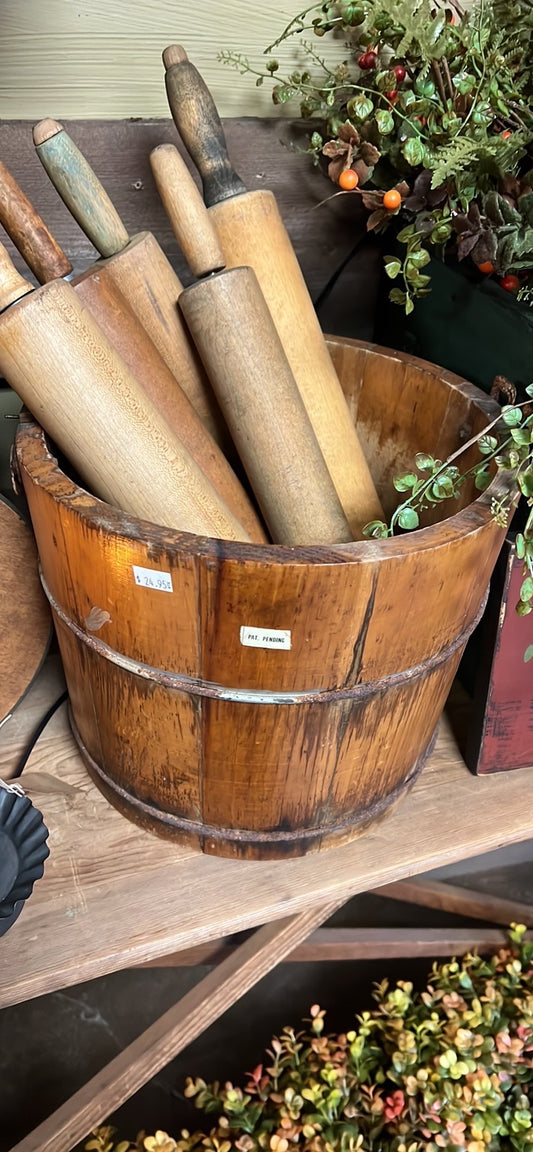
[471, 327]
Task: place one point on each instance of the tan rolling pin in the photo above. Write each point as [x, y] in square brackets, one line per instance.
[251, 231]
[55, 356]
[119, 324]
[137, 266]
[241, 351]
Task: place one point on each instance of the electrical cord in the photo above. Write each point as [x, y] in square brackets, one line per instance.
[37, 733]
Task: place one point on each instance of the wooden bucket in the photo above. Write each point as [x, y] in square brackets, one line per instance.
[269, 701]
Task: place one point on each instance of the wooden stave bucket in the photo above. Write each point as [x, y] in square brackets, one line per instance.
[271, 757]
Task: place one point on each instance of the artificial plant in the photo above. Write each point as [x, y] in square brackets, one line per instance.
[427, 117]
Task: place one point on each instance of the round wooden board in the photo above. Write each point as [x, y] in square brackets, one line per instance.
[25, 621]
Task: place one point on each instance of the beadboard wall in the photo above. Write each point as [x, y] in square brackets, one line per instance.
[85, 59]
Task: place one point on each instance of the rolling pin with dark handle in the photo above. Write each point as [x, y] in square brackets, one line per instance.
[137, 265]
[119, 324]
[58, 361]
[241, 351]
[251, 231]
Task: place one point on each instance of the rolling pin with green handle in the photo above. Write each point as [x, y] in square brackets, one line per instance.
[241, 351]
[119, 324]
[137, 266]
[251, 231]
[58, 361]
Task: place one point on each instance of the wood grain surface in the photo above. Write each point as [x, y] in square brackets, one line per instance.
[104, 60]
[61, 365]
[25, 620]
[113, 895]
[263, 153]
[248, 748]
[173, 1031]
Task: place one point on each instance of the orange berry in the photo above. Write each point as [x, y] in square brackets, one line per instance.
[392, 199]
[505, 135]
[348, 180]
[487, 267]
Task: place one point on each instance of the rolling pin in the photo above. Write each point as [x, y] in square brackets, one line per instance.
[136, 265]
[234, 333]
[119, 324]
[57, 359]
[251, 231]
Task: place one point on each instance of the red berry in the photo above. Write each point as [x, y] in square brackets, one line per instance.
[487, 267]
[510, 283]
[348, 180]
[392, 199]
[367, 61]
[505, 135]
[400, 73]
[392, 96]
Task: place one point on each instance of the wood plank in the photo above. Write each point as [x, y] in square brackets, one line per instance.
[98, 59]
[140, 896]
[462, 901]
[172, 1032]
[323, 233]
[354, 944]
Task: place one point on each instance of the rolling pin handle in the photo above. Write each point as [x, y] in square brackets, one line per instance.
[200, 127]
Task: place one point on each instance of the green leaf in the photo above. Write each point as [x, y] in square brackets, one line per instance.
[396, 296]
[409, 306]
[523, 609]
[487, 444]
[405, 482]
[316, 140]
[464, 82]
[529, 390]
[528, 654]
[413, 151]
[511, 416]
[423, 462]
[385, 122]
[521, 435]
[520, 546]
[408, 518]
[405, 235]
[526, 590]
[392, 267]
[360, 106]
[482, 480]
[420, 257]
[375, 529]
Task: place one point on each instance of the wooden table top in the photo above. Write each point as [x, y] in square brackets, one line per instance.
[113, 896]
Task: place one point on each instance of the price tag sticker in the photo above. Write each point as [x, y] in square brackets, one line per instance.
[151, 578]
[265, 637]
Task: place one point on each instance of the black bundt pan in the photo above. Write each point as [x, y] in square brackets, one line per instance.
[23, 851]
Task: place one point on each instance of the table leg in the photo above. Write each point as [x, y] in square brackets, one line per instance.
[173, 1031]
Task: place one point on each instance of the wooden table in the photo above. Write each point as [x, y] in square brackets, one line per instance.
[113, 896]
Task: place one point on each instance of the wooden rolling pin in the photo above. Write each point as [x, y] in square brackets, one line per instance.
[119, 324]
[251, 231]
[136, 265]
[242, 353]
[55, 356]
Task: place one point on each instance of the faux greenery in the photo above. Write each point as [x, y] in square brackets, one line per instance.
[433, 103]
[507, 443]
[448, 1068]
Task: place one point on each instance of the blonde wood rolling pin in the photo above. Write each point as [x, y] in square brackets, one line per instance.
[118, 322]
[236, 338]
[136, 265]
[251, 231]
[59, 362]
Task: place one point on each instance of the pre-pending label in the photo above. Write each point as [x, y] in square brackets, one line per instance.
[265, 637]
[151, 578]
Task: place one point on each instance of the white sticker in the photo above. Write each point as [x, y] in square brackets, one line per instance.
[265, 637]
[151, 578]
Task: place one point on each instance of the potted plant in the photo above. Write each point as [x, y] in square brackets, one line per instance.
[449, 1067]
[427, 119]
